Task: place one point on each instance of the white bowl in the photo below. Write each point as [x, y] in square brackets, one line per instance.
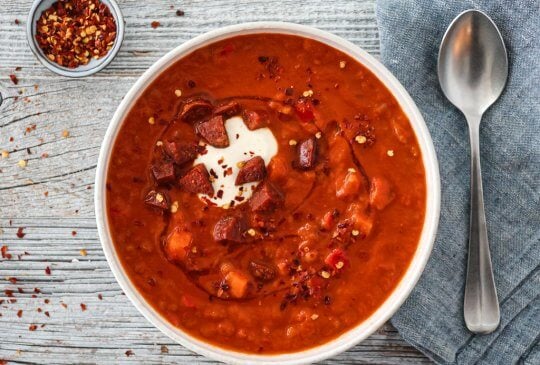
[425, 244]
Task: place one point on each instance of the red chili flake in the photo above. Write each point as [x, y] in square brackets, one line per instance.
[32, 327]
[191, 84]
[83, 307]
[46, 301]
[180, 13]
[5, 255]
[9, 293]
[100, 297]
[39, 310]
[47, 314]
[37, 290]
[14, 79]
[3, 362]
[44, 155]
[129, 353]
[19, 313]
[64, 305]
[48, 270]
[155, 24]
[72, 32]
[20, 290]
[20, 232]
[13, 300]
[73, 233]
[17, 21]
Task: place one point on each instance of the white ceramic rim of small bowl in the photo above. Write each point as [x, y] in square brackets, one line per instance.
[81, 71]
[395, 299]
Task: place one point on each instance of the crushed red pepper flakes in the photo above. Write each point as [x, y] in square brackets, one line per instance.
[32, 327]
[12, 280]
[180, 13]
[83, 307]
[64, 305]
[19, 313]
[47, 314]
[100, 297]
[72, 32]
[155, 24]
[48, 270]
[164, 349]
[14, 79]
[73, 233]
[46, 301]
[129, 353]
[20, 232]
[5, 254]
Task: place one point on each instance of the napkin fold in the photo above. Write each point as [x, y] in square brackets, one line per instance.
[432, 318]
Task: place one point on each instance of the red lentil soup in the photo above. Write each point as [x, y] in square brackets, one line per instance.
[318, 235]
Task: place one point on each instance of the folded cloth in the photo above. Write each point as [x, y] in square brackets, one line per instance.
[432, 318]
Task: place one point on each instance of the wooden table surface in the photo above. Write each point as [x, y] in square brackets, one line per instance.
[56, 125]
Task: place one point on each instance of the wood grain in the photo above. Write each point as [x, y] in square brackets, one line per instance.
[52, 197]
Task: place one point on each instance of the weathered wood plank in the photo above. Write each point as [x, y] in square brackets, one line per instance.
[53, 197]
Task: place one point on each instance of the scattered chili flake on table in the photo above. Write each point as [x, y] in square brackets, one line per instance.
[5, 255]
[32, 327]
[19, 313]
[100, 297]
[83, 307]
[72, 32]
[129, 353]
[20, 232]
[48, 270]
[155, 24]
[180, 13]
[14, 79]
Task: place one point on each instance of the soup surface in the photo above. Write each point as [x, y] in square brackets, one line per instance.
[266, 193]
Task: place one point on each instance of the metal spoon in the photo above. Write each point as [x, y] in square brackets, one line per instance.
[473, 68]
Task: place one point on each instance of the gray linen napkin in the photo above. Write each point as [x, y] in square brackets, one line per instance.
[432, 318]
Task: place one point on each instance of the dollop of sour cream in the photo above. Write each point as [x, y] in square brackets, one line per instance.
[223, 164]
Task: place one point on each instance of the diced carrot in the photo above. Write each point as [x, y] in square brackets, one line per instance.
[381, 193]
[238, 283]
[348, 186]
[177, 244]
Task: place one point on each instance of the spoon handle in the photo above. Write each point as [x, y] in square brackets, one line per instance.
[481, 306]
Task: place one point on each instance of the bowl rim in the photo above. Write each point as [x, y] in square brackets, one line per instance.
[68, 72]
[425, 244]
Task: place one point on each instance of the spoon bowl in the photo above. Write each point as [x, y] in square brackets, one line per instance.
[473, 64]
[473, 68]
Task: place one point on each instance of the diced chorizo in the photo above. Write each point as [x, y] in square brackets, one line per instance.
[158, 199]
[163, 172]
[228, 110]
[253, 170]
[177, 245]
[181, 152]
[307, 153]
[255, 119]
[230, 228]
[266, 198]
[196, 109]
[349, 185]
[381, 193]
[213, 131]
[197, 180]
[262, 271]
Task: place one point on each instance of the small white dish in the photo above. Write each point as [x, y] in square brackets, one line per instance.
[39, 6]
[394, 300]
